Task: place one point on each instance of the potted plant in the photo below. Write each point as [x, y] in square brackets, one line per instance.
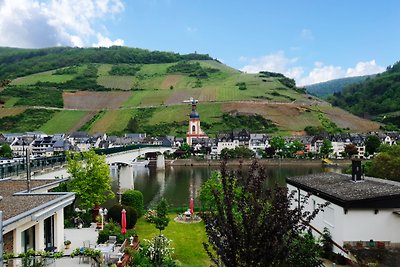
[67, 244]
[98, 222]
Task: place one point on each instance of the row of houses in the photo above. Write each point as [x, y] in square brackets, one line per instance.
[41, 144]
[312, 144]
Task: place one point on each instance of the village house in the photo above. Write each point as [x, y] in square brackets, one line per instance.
[258, 142]
[357, 207]
[33, 219]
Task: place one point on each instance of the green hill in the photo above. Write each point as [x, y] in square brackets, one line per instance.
[377, 97]
[325, 89]
[120, 89]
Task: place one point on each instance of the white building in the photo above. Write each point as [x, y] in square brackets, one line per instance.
[35, 219]
[359, 211]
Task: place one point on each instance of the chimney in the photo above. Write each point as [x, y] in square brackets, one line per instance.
[356, 171]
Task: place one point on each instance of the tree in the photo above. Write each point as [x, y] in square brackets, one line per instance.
[133, 125]
[248, 224]
[277, 143]
[91, 179]
[161, 220]
[326, 148]
[350, 150]
[387, 163]
[6, 151]
[372, 144]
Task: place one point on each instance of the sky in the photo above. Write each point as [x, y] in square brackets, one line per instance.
[310, 40]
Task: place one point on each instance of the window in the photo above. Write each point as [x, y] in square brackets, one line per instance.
[28, 239]
[193, 128]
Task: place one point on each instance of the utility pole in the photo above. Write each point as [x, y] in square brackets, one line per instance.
[28, 170]
[1, 239]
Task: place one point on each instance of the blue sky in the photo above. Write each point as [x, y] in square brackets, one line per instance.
[308, 40]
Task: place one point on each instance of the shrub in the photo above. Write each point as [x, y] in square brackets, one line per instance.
[131, 215]
[134, 198]
[113, 228]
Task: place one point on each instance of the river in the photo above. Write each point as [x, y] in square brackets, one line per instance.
[179, 183]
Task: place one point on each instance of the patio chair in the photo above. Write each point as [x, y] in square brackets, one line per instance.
[112, 240]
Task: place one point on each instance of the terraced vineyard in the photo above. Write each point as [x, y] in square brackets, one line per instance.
[125, 97]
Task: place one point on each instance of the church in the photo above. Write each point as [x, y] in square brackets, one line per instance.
[194, 131]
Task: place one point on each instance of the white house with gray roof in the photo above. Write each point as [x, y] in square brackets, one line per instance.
[360, 209]
[34, 219]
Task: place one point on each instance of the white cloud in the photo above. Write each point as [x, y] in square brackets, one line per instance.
[106, 42]
[275, 62]
[43, 23]
[364, 68]
[278, 62]
[306, 34]
[321, 73]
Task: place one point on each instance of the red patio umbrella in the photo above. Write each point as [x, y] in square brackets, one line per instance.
[123, 222]
[191, 206]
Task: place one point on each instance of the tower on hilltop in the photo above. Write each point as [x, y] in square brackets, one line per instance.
[194, 123]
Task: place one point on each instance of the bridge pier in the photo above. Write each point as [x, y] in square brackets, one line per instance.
[160, 162]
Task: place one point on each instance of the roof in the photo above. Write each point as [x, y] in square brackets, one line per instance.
[341, 190]
[14, 204]
[194, 115]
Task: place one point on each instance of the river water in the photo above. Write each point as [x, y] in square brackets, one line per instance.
[178, 184]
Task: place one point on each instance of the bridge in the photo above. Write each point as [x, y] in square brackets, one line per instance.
[128, 156]
[55, 166]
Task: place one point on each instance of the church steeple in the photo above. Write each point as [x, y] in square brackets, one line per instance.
[194, 130]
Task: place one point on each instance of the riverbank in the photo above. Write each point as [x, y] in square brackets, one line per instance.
[247, 162]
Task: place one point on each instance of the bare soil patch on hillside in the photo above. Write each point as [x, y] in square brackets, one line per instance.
[6, 112]
[289, 117]
[95, 100]
[180, 95]
[208, 94]
[345, 119]
[171, 80]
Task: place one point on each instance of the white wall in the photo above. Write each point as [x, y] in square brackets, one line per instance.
[356, 224]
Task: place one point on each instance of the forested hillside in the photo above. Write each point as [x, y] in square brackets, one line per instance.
[378, 97]
[325, 89]
[16, 62]
[118, 90]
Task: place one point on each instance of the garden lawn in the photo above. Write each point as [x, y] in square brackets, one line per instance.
[187, 240]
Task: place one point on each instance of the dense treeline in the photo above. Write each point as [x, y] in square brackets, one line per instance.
[193, 69]
[29, 120]
[122, 70]
[288, 82]
[327, 88]
[21, 62]
[85, 81]
[377, 97]
[34, 96]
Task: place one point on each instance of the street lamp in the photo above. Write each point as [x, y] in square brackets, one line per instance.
[102, 212]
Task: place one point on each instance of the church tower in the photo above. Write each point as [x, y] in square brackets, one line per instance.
[194, 130]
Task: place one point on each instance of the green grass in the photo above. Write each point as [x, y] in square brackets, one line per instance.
[62, 122]
[187, 240]
[11, 102]
[42, 77]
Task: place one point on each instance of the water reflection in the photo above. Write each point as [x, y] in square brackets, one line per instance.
[178, 184]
